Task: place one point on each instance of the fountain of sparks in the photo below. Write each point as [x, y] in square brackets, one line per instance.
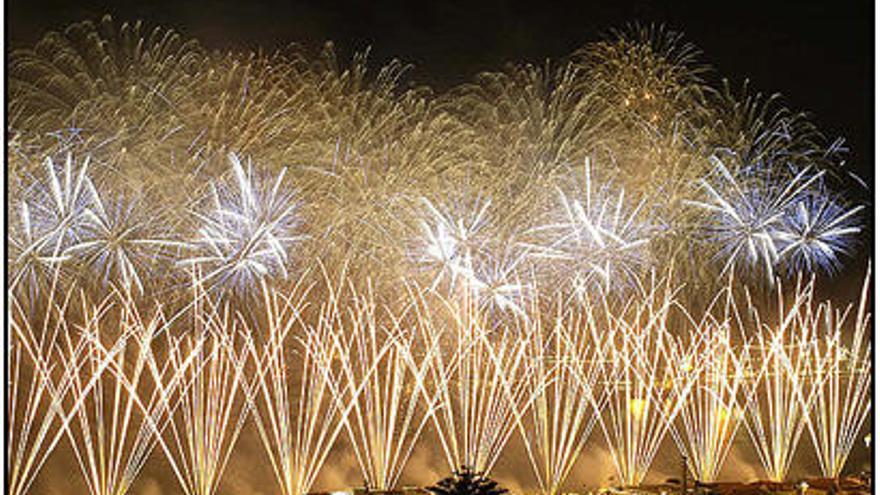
[843, 400]
[639, 375]
[211, 407]
[709, 419]
[567, 356]
[788, 379]
[298, 418]
[381, 374]
[124, 397]
[477, 379]
[41, 383]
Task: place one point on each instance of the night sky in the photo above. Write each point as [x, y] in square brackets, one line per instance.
[819, 55]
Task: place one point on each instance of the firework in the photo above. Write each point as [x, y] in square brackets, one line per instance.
[243, 104]
[113, 92]
[211, 409]
[843, 400]
[602, 235]
[641, 369]
[248, 231]
[116, 243]
[788, 379]
[648, 74]
[50, 222]
[451, 241]
[498, 287]
[381, 375]
[477, 381]
[760, 129]
[527, 122]
[816, 232]
[568, 358]
[123, 406]
[709, 419]
[298, 419]
[145, 72]
[747, 210]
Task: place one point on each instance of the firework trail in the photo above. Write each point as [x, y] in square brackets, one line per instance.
[381, 376]
[788, 380]
[709, 419]
[843, 400]
[123, 406]
[568, 358]
[298, 418]
[42, 385]
[639, 375]
[211, 409]
[477, 380]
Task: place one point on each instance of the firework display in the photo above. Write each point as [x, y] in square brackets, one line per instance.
[602, 253]
[568, 392]
[715, 376]
[842, 400]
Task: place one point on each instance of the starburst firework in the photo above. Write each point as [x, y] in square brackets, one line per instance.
[248, 230]
[527, 305]
[747, 209]
[606, 239]
[815, 232]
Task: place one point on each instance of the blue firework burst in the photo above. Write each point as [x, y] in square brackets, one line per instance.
[816, 231]
[746, 210]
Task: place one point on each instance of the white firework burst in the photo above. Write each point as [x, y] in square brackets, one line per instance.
[496, 282]
[119, 240]
[451, 240]
[50, 221]
[606, 239]
[32, 259]
[248, 230]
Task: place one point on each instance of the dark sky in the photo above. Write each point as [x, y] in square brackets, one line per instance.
[818, 54]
